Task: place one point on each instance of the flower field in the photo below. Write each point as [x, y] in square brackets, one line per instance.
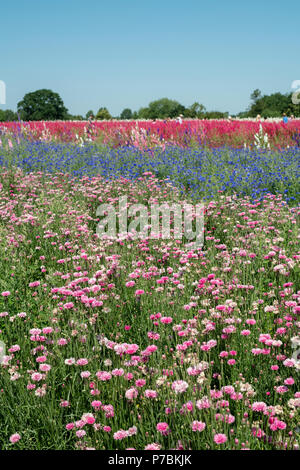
[145, 343]
[145, 134]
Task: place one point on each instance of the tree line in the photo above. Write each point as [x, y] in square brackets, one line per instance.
[43, 105]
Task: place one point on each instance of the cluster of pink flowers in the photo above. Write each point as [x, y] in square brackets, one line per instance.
[205, 357]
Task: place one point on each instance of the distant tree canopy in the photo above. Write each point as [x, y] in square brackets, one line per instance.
[75, 117]
[42, 105]
[103, 114]
[89, 114]
[7, 115]
[274, 105]
[165, 108]
[161, 109]
[196, 110]
[126, 114]
[47, 105]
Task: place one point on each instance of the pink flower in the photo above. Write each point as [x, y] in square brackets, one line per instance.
[88, 418]
[245, 332]
[139, 292]
[34, 284]
[68, 305]
[119, 435]
[14, 438]
[82, 362]
[131, 393]
[259, 406]
[281, 389]
[131, 348]
[14, 348]
[47, 330]
[45, 367]
[289, 381]
[70, 361]
[85, 374]
[5, 293]
[179, 386]
[70, 426]
[220, 438]
[150, 394]
[103, 375]
[64, 404]
[163, 428]
[140, 383]
[117, 372]
[62, 342]
[108, 410]
[96, 404]
[41, 359]
[198, 426]
[153, 446]
[130, 284]
[36, 376]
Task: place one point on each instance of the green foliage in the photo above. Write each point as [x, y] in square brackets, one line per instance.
[103, 114]
[215, 115]
[161, 109]
[126, 114]
[8, 115]
[42, 105]
[256, 95]
[274, 105]
[196, 110]
[89, 114]
[75, 117]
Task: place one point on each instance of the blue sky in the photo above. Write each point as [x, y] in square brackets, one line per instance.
[127, 53]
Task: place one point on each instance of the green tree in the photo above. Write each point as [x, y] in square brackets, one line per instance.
[89, 114]
[256, 95]
[42, 105]
[126, 114]
[216, 115]
[161, 109]
[273, 105]
[8, 115]
[196, 110]
[75, 117]
[103, 114]
[143, 113]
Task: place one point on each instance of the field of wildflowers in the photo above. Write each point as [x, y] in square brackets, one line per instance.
[144, 343]
[159, 133]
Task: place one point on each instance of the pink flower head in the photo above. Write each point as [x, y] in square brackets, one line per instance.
[119, 435]
[153, 446]
[179, 386]
[131, 393]
[14, 438]
[198, 426]
[163, 428]
[220, 438]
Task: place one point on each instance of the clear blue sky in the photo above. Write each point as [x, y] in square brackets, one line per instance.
[125, 53]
